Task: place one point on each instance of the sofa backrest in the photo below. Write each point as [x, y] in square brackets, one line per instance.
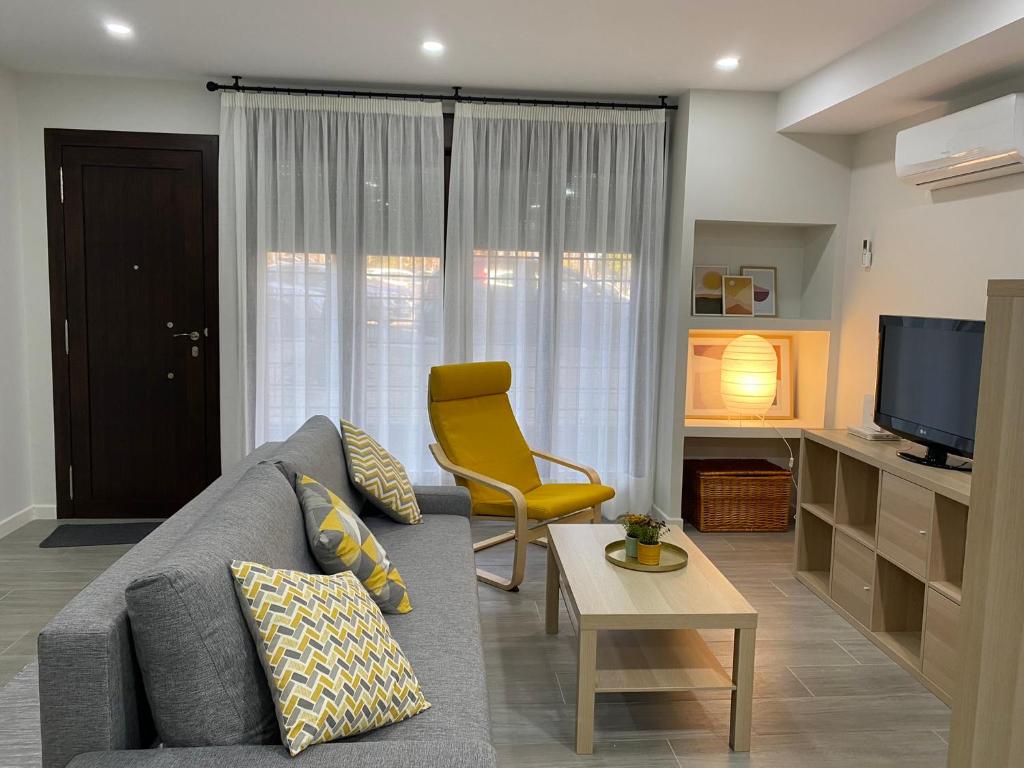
[90, 690]
[205, 681]
[316, 450]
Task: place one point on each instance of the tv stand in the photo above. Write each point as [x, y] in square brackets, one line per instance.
[936, 457]
[882, 541]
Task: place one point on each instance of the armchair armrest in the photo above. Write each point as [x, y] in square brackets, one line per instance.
[590, 472]
[443, 500]
[518, 500]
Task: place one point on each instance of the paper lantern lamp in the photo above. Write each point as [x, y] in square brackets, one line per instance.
[749, 375]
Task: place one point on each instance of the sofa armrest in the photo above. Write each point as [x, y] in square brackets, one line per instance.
[443, 500]
[357, 754]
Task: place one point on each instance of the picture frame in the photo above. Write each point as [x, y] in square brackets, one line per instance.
[706, 299]
[704, 371]
[738, 296]
[765, 279]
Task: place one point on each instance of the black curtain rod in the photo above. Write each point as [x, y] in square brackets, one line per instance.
[456, 95]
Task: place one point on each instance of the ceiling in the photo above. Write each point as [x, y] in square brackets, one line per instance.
[587, 46]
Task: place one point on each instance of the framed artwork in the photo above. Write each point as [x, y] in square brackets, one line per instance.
[764, 290]
[738, 295]
[704, 377]
[707, 290]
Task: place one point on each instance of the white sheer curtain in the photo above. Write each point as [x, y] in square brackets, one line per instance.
[333, 212]
[554, 262]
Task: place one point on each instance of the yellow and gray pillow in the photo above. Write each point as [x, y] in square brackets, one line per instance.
[379, 475]
[341, 542]
[333, 667]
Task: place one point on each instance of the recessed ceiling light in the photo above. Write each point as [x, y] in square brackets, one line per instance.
[118, 29]
[727, 63]
[433, 46]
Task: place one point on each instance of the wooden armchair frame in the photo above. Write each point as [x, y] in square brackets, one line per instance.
[522, 533]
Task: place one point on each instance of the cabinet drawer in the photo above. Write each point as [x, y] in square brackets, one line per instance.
[941, 645]
[853, 573]
[904, 520]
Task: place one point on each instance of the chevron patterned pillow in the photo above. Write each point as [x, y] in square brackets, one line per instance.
[341, 542]
[333, 667]
[379, 475]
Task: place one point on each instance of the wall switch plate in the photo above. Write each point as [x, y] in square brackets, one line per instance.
[865, 255]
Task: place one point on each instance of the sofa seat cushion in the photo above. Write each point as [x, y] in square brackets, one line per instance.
[549, 500]
[200, 668]
[346, 754]
[441, 635]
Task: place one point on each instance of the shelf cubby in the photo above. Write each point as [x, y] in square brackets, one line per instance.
[808, 363]
[814, 551]
[818, 480]
[802, 255]
[949, 538]
[856, 506]
[897, 614]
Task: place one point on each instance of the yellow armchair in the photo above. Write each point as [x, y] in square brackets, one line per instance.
[479, 442]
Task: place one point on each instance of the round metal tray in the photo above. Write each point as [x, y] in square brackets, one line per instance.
[672, 558]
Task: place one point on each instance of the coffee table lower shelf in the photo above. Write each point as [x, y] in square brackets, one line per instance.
[630, 661]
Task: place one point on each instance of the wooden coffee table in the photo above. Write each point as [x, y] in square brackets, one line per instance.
[638, 631]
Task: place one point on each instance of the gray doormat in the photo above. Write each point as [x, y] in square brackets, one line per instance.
[98, 534]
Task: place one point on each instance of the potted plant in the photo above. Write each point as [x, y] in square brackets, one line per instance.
[648, 536]
[631, 524]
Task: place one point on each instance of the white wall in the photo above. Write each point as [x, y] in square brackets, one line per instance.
[673, 366]
[737, 168]
[98, 103]
[934, 252]
[15, 443]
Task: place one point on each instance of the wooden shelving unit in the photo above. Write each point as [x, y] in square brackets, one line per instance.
[814, 551]
[857, 499]
[946, 565]
[882, 541]
[817, 490]
[898, 611]
[948, 589]
[824, 511]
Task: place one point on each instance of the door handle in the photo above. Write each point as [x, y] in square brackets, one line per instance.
[193, 335]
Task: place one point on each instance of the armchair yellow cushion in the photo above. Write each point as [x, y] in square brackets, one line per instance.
[549, 500]
[473, 421]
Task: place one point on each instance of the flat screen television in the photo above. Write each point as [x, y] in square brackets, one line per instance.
[929, 373]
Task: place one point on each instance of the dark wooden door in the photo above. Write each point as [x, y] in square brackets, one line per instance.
[134, 231]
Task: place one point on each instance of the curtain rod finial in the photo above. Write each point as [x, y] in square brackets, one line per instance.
[211, 86]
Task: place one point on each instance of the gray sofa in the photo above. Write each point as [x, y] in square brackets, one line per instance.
[94, 710]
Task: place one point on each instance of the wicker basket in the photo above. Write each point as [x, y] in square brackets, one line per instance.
[736, 495]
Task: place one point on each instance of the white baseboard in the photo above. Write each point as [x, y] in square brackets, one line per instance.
[13, 522]
[657, 512]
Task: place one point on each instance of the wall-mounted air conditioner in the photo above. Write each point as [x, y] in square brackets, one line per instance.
[979, 143]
